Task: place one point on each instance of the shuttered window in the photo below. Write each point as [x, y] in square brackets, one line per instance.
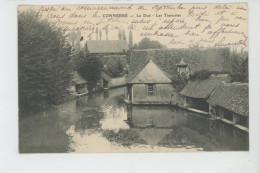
[150, 89]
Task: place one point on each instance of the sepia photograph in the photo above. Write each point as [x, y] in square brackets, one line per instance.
[133, 78]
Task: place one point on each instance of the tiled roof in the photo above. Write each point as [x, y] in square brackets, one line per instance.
[232, 96]
[151, 73]
[181, 63]
[107, 46]
[203, 88]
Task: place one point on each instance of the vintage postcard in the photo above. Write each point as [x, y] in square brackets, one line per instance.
[133, 78]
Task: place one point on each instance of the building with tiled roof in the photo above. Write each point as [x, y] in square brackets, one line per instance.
[230, 101]
[149, 85]
[198, 91]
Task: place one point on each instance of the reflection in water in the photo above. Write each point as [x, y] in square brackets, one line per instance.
[103, 123]
[115, 118]
[154, 116]
[172, 128]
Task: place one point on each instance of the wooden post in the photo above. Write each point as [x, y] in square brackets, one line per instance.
[132, 95]
[221, 112]
[210, 110]
[185, 102]
[235, 118]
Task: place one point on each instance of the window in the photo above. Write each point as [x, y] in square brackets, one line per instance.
[150, 89]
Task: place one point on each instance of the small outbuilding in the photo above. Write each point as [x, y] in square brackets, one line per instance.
[183, 67]
[149, 85]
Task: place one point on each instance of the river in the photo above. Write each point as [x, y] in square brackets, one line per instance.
[104, 123]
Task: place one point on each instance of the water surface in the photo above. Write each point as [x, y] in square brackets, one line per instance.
[104, 123]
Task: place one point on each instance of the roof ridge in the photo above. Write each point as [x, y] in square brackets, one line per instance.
[168, 75]
[219, 75]
[149, 60]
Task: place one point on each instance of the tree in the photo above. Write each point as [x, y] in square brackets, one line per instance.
[135, 46]
[146, 43]
[72, 37]
[107, 34]
[77, 45]
[120, 34]
[44, 64]
[239, 65]
[96, 33]
[78, 59]
[100, 34]
[115, 68]
[75, 40]
[130, 39]
[124, 36]
[90, 70]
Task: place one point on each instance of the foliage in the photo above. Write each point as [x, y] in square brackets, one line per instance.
[90, 69]
[124, 36]
[239, 77]
[234, 76]
[179, 81]
[125, 137]
[146, 43]
[106, 34]
[77, 60]
[239, 67]
[202, 75]
[115, 68]
[120, 34]
[238, 73]
[100, 34]
[43, 63]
